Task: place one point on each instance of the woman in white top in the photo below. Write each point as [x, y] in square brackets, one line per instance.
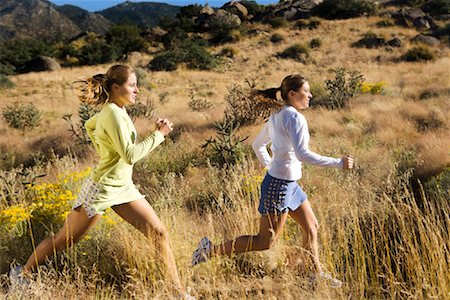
[281, 196]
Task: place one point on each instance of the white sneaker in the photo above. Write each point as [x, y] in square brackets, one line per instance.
[188, 295]
[327, 278]
[17, 280]
[201, 252]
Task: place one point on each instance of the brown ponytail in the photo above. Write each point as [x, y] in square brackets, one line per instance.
[96, 90]
[269, 96]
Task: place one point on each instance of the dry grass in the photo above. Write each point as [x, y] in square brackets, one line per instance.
[377, 233]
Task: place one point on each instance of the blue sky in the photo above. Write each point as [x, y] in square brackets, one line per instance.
[96, 5]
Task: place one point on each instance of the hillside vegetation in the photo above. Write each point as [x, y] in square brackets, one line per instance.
[384, 227]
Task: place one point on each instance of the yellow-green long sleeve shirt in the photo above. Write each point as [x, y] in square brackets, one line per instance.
[113, 135]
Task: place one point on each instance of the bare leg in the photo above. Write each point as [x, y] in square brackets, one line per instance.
[304, 216]
[75, 226]
[141, 215]
[269, 231]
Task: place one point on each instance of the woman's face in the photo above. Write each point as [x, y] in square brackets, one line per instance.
[300, 98]
[126, 93]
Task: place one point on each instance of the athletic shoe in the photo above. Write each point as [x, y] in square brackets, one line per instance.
[17, 280]
[327, 278]
[201, 253]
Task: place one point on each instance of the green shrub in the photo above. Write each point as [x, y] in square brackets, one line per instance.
[276, 38]
[5, 82]
[85, 112]
[190, 53]
[229, 52]
[343, 9]
[22, 116]
[310, 24]
[125, 38]
[15, 53]
[419, 53]
[253, 8]
[436, 7]
[315, 43]
[96, 51]
[277, 22]
[226, 148]
[198, 104]
[141, 110]
[344, 86]
[296, 52]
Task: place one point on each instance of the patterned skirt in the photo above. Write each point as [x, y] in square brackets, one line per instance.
[95, 198]
[278, 196]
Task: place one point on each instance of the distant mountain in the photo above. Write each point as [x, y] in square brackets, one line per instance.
[85, 20]
[41, 19]
[145, 14]
[34, 19]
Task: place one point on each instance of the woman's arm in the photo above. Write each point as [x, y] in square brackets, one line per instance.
[259, 145]
[117, 130]
[90, 130]
[297, 128]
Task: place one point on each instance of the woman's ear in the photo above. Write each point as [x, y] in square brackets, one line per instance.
[114, 87]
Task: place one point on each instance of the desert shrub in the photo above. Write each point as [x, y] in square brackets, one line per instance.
[345, 85]
[15, 53]
[125, 38]
[385, 23]
[343, 9]
[370, 40]
[78, 131]
[315, 43]
[373, 88]
[190, 53]
[229, 52]
[277, 22]
[436, 7]
[419, 53]
[433, 92]
[296, 52]
[310, 24]
[163, 98]
[22, 116]
[142, 78]
[198, 104]
[276, 38]
[433, 120]
[6, 69]
[319, 93]
[253, 8]
[142, 110]
[5, 82]
[225, 148]
[96, 51]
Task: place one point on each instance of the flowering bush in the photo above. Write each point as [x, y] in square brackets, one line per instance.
[47, 203]
[373, 88]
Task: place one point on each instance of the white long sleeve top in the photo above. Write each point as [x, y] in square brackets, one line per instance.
[288, 131]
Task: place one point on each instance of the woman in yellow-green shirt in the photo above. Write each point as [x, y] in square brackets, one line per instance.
[110, 185]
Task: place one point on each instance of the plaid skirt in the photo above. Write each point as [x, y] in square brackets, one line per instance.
[278, 196]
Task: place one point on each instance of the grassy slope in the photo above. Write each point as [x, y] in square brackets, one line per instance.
[379, 130]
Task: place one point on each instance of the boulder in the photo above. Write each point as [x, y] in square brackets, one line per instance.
[207, 10]
[40, 64]
[426, 39]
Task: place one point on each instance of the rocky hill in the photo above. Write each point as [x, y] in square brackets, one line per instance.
[34, 19]
[85, 20]
[44, 20]
[142, 13]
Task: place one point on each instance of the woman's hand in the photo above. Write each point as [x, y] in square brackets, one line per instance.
[164, 126]
[348, 162]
